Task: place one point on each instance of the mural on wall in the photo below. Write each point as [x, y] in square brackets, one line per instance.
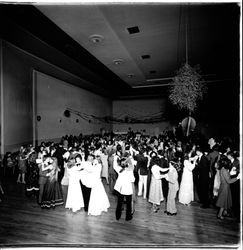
[147, 115]
[124, 118]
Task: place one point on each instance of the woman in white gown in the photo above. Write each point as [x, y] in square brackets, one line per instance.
[74, 196]
[104, 160]
[99, 201]
[186, 194]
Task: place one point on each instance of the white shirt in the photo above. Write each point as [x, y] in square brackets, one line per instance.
[86, 175]
[124, 181]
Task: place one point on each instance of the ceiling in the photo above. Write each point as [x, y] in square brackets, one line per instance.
[212, 38]
[61, 35]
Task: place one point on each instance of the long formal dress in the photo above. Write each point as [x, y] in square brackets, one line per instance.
[104, 173]
[74, 196]
[155, 191]
[224, 195]
[32, 185]
[98, 201]
[186, 194]
[173, 188]
[52, 194]
[65, 181]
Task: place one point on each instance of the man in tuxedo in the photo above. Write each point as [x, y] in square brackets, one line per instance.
[203, 178]
[86, 179]
[124, 188]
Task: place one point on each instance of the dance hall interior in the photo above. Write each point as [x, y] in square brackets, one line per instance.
[120, 125]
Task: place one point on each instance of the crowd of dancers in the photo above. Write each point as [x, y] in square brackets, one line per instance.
[163, 168]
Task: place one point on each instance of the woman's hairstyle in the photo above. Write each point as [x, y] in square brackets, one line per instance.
[224, 162]
[119, 147]
[186, 156]
[78, 156]
[153, 154]
[199, 148]
[236, 154]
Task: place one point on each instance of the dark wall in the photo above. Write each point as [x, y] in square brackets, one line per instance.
[17, 77]
[17, 98]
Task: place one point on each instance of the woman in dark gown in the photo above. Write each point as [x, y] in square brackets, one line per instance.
[224, 201]
[52, 194]
[32, 176]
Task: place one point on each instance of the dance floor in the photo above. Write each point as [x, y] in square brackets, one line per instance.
[24, 223]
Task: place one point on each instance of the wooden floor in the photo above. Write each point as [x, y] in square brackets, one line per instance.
[24, 223]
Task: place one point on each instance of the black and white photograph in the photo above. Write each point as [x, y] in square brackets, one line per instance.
[121, 124]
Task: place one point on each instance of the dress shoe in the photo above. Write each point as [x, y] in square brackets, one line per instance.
[220, 217]
[128, 218]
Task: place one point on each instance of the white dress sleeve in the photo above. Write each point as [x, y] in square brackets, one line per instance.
[190, 166]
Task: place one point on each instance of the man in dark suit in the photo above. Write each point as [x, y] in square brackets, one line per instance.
[203, 178]
[212, 157]
[164, 164]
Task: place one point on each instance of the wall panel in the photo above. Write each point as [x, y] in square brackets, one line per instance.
[54, 96]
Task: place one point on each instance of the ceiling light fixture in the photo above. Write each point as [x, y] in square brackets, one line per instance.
[130, 75]
[133, 30]
[96, 38]
[145, 56]
[118, 61]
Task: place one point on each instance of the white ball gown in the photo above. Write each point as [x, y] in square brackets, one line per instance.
[74, 196]
[104, 172]
[186, 194]
[99, 201]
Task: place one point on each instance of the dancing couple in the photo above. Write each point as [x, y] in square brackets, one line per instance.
[85, 188]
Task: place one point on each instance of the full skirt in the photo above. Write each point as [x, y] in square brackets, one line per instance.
[155, 191]
[75, 199]
[52, 194]
[224, 197]
[186, 194]
[99, 201]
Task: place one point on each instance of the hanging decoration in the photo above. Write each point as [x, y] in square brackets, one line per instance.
[187, 86]
[124, 118]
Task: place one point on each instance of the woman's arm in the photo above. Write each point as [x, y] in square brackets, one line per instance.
[227, 177]
[45, 167]
[189, 165]
[163, 169]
